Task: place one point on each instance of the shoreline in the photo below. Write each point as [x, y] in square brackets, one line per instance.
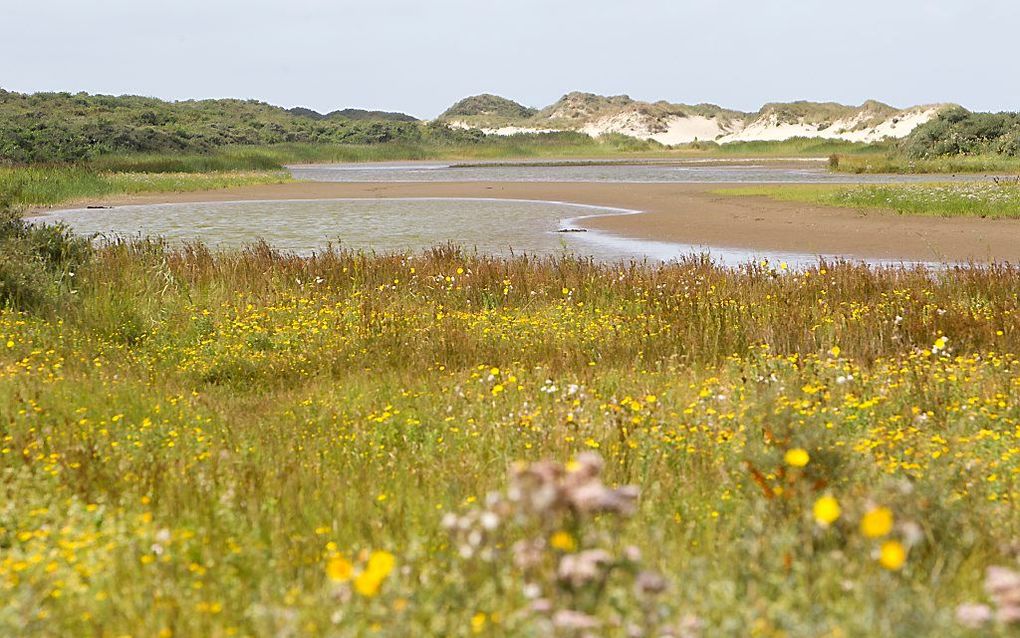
[681, 213]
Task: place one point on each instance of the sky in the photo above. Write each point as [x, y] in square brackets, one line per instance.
[420, 56]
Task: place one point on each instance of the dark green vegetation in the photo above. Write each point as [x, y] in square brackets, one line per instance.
[959, 132]
[61, 127]
[353, 114]
[489, 106]
[37, 263]
[957, 141]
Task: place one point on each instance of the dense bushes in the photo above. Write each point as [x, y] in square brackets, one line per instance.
[960, 132]
[38, 263]
[60, 127]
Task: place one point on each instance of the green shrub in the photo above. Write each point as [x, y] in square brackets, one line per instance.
[38, 263]
[960, 132]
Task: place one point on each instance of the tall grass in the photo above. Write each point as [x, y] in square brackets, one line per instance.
[48, 185]
[252, 443]
[491, 148]
[795, 147]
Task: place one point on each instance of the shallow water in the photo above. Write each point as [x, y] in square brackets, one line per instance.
[691, 173]
[494, 227]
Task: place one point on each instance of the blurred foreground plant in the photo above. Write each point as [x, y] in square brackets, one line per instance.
[545, 534]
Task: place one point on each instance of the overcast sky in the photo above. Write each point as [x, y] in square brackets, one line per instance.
[419, 56]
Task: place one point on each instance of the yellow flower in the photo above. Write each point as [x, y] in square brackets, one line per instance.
[835, 351]
[338, 569]
[892, 555]
[827, 510]
[877, 523]
[563, 541]
[797, 457]
[379, 566]
[478, 623]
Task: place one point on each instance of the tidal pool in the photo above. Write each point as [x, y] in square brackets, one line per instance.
[493, 227]
[704, 172]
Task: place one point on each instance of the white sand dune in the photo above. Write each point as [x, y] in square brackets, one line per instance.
[854, 129]
[675, 124]
[673, 130]
[503, 130]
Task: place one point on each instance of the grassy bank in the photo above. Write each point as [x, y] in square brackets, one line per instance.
[49, 185]
[894, 163]
[115, 174]
[975, 199]
[254, 444]
[795, 147]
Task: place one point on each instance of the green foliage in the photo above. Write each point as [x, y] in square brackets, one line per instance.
[37, 262]
[488, 105]
[61, 127]
[22, 186]
[960, 132]
[353, 114]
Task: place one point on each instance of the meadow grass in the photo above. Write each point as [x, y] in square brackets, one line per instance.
[898, 163]
[255, 444]
[965, 199]
[24, 186]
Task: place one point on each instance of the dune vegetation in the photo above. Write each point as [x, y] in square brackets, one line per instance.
[254, 444]
[957, 141]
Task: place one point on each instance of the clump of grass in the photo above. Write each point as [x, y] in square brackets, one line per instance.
[993, 199]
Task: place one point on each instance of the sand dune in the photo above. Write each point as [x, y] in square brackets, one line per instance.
[672, 124]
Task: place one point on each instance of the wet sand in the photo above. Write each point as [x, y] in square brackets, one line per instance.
[690, 214]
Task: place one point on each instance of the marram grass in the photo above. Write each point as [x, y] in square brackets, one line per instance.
[251, 444]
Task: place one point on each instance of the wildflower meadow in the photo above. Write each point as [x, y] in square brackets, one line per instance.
[255, 444]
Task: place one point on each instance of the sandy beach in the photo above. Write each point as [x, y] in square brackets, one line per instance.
[691, 214]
